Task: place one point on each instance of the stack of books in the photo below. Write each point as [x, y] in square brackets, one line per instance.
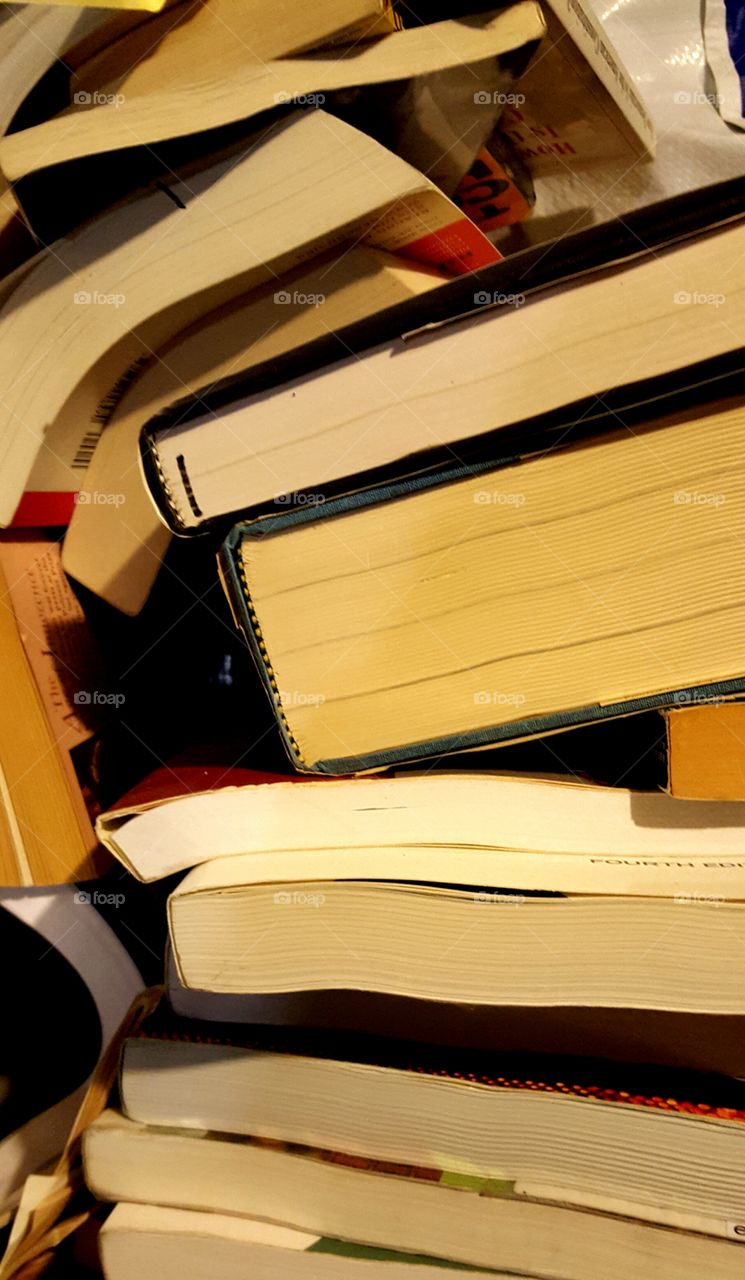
[491, 1022]
[315, 305]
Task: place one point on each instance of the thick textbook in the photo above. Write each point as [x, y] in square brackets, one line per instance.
[592, 1132]
[273, 925]
[494, 602]
[473, 1221]
[521, 831]
[415, 385]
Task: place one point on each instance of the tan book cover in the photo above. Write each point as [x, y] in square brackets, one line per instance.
[706, 751]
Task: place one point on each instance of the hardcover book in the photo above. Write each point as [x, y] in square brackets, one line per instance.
[569, 582]
[435, 379]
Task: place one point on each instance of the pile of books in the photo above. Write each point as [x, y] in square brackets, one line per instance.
[452, 1019]
[313, 299]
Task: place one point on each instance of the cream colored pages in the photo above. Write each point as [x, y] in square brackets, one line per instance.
[579, 578]
[596, 1153]
[233, 92]
[31, 40]
[210, 39]
[16, 242]
[125, 1161]
[119, 288]
[153, 5]
[601, 832]
[152, 1219]
[116, 541]
[692, 880]
[430, 942]
[191, 1245]
[487, 371]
